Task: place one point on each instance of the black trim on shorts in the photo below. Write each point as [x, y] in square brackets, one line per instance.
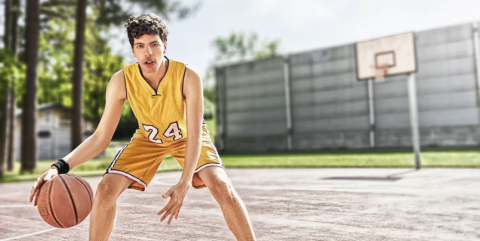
[218, 163]
[128, 174]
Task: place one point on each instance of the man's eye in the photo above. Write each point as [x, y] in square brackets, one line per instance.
[139, 46]
[155, 45]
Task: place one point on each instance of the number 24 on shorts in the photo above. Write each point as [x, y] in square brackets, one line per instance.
[172, 130]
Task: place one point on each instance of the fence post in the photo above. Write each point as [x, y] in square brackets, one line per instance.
[286, 72]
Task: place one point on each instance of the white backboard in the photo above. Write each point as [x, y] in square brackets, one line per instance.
[395, 54]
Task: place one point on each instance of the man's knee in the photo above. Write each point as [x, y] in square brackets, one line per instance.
[110, 187]
[223, 191]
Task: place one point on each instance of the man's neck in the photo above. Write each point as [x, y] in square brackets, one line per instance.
[156, 76]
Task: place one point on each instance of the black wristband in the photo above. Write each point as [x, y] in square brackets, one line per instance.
[62, 166]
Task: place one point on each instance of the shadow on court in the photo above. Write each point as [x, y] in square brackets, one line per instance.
[284, 204]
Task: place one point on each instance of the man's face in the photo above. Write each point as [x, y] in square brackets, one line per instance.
[149, 51]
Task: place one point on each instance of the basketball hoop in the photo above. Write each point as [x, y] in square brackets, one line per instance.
[380, 72]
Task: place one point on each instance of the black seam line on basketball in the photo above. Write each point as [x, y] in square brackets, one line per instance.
[90, 195]
[150, 166]
[50, 203]
[129, 174]
[183, 81]
[71, 198]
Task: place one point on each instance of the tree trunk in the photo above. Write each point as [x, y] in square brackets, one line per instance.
[6, 37]
[15, 11]
[3, 100]
[77, 118]
[29, 130]
[3, 130]
[11, 145]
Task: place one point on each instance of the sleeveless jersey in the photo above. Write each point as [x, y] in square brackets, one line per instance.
[161, 115]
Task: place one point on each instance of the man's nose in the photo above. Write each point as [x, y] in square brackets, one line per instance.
[148, 51]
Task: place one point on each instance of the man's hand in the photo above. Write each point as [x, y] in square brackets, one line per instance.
[43, 178]
[176, 194]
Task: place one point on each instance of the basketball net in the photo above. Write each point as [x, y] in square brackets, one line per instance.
[380, 73]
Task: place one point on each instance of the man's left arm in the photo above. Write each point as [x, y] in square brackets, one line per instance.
[193, 92]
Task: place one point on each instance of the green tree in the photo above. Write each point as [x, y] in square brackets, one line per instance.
[240, 47]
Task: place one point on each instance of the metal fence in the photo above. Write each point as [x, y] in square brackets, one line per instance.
[313, 100]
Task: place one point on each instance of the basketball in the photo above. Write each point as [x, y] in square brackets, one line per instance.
[65, 200]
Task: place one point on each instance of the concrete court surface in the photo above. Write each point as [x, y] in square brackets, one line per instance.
[285, 204]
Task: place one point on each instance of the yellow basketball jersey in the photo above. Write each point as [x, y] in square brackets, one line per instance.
[161, 115]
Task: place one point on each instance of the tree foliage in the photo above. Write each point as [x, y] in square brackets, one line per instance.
[11, 71]
[238, 47]
[56, 65]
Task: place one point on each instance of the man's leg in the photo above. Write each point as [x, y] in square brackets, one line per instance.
[232, 206]
[104, 207]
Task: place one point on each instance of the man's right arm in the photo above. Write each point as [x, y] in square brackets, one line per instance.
[99, 141]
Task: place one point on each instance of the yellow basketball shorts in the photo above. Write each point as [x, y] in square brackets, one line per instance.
[140, 158]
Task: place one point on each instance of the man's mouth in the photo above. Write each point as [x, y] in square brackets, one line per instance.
[149, 62]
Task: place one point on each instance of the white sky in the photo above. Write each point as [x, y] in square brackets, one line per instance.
[300, 25]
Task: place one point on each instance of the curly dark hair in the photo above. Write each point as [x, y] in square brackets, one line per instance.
[146, 24]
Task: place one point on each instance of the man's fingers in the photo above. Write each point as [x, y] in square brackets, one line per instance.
[178, 211]
[165, 208]
[167, 194]
[36, 199]
[171, 216]
[169, 212]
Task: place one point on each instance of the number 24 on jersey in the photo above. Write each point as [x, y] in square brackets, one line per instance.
[172, 131]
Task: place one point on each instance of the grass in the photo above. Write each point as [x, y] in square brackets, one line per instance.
[94, 167]
[405, 159]
[450, 158]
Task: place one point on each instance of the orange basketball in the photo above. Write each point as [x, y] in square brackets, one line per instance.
[65, 200]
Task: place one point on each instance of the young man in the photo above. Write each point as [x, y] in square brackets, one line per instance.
[167, 99]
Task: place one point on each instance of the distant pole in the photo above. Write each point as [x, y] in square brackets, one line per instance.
[286, 71]
[476, 54]
[412, 94]
[371, 113]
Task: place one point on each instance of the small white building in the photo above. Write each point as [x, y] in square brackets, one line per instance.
[53, 131]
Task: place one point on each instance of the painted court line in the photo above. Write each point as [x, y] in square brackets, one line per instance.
[30, 234]
[115, 234]
[15, 206]
[48, 230]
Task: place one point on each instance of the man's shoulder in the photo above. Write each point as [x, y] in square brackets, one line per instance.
[117, 84]
[119, 76]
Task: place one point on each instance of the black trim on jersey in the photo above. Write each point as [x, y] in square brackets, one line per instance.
[183, 81]
[143, 77]
[179, 131]
[125, 79]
